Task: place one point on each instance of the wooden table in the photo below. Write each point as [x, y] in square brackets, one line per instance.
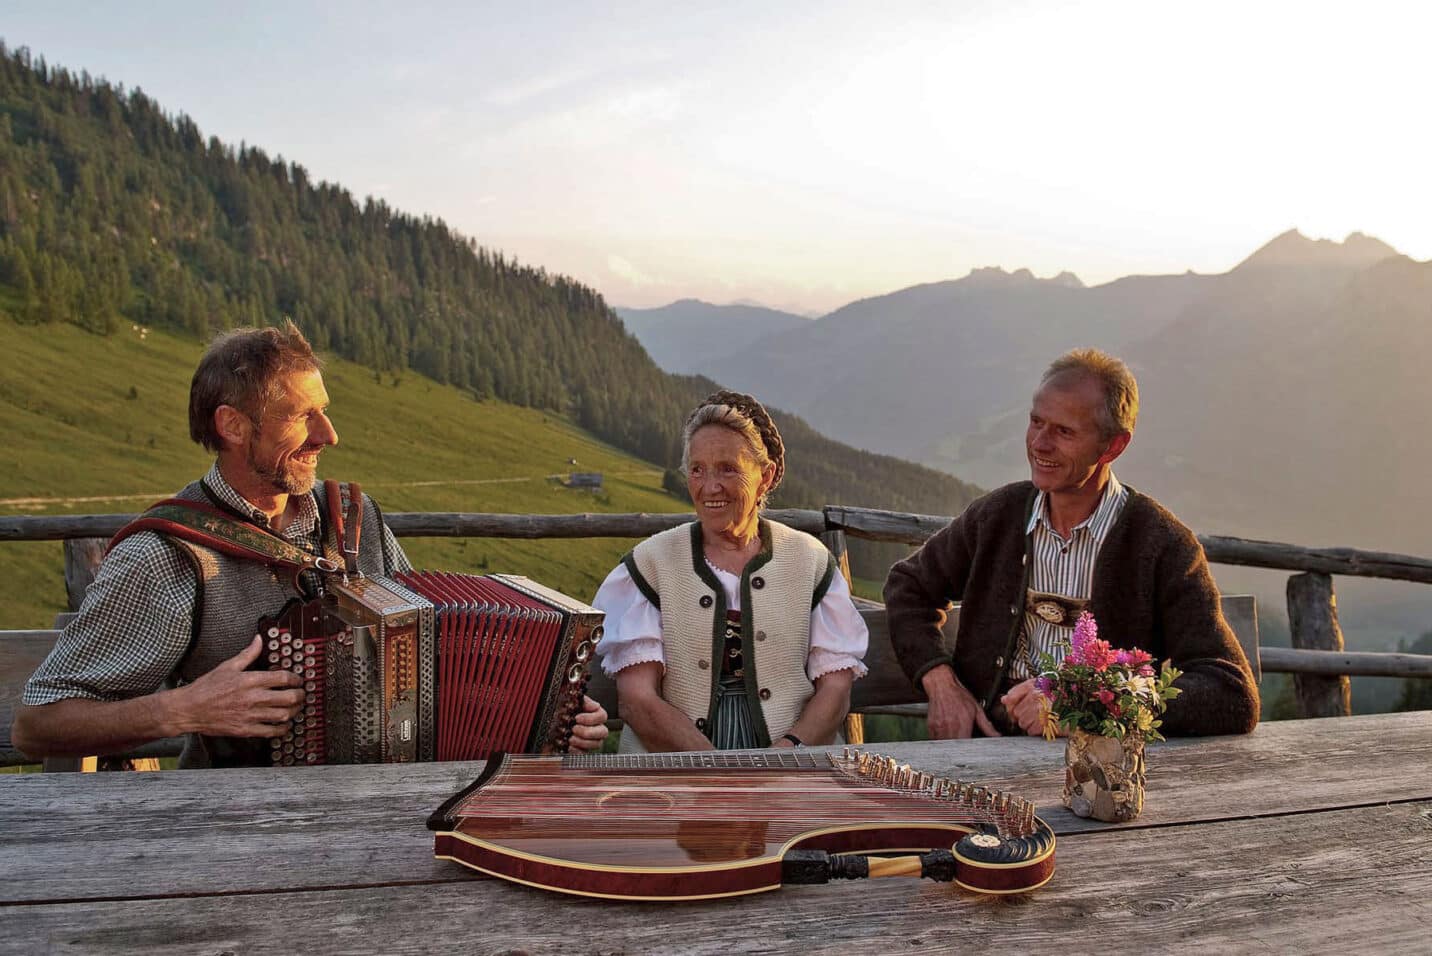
[1307, 836]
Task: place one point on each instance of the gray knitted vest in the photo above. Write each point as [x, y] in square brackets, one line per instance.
[232, 595]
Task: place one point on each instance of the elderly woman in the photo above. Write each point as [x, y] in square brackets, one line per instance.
[733, 631]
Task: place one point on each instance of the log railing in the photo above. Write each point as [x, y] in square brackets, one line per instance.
[1317, 659]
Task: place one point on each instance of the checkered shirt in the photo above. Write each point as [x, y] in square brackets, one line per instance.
[135, 624]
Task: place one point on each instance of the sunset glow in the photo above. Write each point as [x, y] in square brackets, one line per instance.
[804, 155]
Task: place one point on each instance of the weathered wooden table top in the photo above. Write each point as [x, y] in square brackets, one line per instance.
[1310, 835]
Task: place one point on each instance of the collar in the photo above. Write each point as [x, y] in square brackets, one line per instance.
[1039, 513]
[305, 521]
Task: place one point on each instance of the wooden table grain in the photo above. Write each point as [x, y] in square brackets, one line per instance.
[1312, 836]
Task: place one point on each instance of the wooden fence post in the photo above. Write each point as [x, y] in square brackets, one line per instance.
[82, 558]
[835, 541]
[1313, 620]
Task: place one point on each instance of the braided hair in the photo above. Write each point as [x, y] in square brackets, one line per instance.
[746, 417]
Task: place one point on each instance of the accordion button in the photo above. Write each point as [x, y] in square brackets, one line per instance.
[765, 693]
[706, 600]
[758, 583]
[704, 664]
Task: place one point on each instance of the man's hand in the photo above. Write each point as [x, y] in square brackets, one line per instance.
[954, 712]
[591, 727]
[232, 701]
[1026, 707]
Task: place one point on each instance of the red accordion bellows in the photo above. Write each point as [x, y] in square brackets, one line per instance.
[496, 650]
[432, 665]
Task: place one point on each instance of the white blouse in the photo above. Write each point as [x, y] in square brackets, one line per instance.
[838, 637]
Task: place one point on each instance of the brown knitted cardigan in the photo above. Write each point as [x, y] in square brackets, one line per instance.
[1152, 590]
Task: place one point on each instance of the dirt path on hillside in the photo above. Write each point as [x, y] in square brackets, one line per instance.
[70, 502]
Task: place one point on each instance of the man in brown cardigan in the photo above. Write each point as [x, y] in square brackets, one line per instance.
[1026, 558]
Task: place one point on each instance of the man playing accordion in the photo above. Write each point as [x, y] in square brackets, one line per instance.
[164, 641]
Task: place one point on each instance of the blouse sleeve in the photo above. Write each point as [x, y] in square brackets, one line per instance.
[632, 630]
[838, 636]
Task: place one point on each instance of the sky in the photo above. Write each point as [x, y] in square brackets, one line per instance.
[803, 155]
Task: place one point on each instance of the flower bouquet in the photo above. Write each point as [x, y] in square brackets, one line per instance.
[1109, 702]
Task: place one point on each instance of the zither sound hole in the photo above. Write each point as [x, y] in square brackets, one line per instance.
[635, 801]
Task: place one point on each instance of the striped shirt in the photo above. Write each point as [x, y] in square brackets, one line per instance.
[135, 624]
[1064, 567]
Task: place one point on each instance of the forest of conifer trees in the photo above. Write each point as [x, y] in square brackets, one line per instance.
[114, 211]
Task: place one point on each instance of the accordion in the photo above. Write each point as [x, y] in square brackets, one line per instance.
[431, 666]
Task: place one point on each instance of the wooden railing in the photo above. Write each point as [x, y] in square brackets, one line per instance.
[1317, 660]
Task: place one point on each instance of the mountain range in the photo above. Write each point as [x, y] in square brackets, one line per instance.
[1283, 399]
[688, 334]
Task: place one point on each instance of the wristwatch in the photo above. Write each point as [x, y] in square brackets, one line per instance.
[795, 741]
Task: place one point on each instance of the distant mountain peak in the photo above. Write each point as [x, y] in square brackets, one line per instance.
[994, 277]
[1292, 248]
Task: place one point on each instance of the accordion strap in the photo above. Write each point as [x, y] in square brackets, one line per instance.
[346, 531]
[213, 528]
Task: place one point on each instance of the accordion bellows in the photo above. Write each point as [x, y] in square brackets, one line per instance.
[431, 665]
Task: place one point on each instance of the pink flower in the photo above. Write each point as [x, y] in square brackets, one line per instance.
[1086, 629]
[1132, 658]
[1106, 697]
[1147, 670]
[1096, 654]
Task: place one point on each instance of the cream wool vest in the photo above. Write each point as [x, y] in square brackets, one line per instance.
[779, 588]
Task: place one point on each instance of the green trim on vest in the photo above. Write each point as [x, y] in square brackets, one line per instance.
[718, 619]
[748, 631]
[639, 579]
[824, 585]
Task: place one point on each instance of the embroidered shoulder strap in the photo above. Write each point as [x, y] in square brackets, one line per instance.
[214, 528]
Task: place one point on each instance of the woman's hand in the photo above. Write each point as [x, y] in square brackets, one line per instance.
[824, 712]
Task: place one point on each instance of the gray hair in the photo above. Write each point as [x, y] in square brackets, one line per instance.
[1120, 410]
[745, 416]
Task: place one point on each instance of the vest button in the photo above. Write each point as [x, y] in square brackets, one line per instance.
[758, 583]
[999, 662]
[765, 693]
[1014, 609]
[706, 600]
[704, 664]
[700, 723]
[760, 635]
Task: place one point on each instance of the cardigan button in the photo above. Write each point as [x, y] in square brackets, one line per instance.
[760, 635]
[704, 664]
[706, 600]
[758, 583]
[765, 693]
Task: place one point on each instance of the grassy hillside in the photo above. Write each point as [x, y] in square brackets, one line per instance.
[103, 419]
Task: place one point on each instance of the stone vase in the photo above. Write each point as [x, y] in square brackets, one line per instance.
[1104, 776]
